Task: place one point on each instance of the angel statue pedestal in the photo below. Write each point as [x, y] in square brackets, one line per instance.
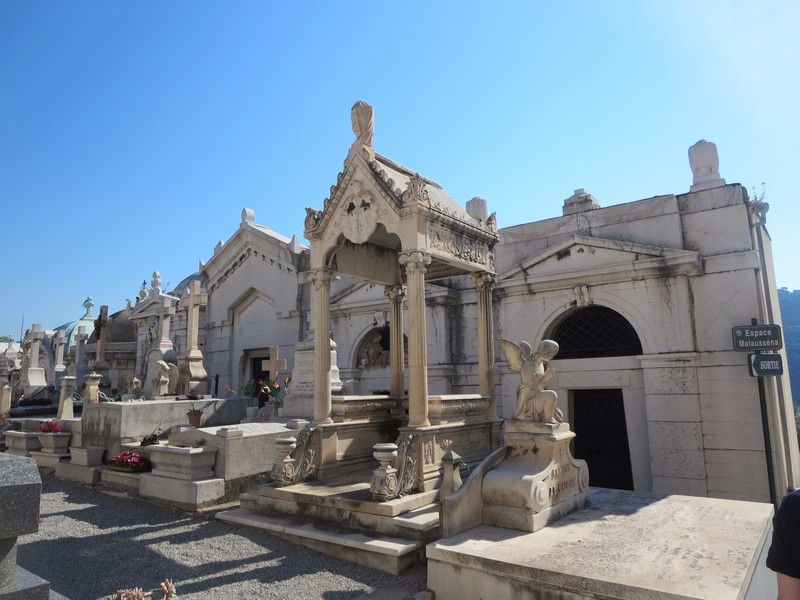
[539, 481]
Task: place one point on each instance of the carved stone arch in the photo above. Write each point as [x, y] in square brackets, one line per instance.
[373, 349]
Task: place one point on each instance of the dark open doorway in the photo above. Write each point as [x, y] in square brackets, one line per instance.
[598, 420]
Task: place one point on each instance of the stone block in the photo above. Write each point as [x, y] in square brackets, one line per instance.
[48, 460]
[78, 473]
[20, 488]
[673, 407]
[627, 545]
[120, 479]
[183, 494]
[666, 435]
[672, 380]
[686, 464]
[678, 485]
[175, 462]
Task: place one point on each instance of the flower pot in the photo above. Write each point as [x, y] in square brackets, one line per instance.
[55, 443]
[194, 417]
[250, 412]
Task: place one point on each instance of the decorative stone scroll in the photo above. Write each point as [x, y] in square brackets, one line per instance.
[299, 457]
[399, 478]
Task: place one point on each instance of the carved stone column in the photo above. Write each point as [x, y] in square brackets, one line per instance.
[396, 293]
[484, 284]
[321, 282]
[414, 263]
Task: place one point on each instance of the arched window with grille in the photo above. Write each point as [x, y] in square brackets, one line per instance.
[594, 332]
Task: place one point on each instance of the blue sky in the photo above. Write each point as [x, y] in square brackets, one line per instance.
[132, 134]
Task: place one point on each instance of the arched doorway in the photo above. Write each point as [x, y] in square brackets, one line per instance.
[598, 414]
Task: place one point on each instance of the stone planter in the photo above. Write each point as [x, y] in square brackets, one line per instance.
[89, 456]
[189, 464]
[55, 443]
[22, 443]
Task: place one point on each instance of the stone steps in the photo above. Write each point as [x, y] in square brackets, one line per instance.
[389, 554]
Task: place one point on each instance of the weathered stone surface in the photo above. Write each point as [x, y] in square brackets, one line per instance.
[20, 487]
[627, 545]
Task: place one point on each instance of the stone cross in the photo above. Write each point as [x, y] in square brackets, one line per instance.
[273, 364]
[60, 341]
[80, 346]
[88, 304]
[36, 335]
[193, 298]
[59, 369]
[102, 333]
[167, 311]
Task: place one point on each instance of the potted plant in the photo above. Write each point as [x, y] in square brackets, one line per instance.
[194, 415]
[275, 393]
[53, 439]
[129, 461]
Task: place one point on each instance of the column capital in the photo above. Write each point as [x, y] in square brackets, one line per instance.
[394, 292]
[484, 279]
[415, 260]
[321, 278]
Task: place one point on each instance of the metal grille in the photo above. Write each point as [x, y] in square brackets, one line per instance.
[596, 331]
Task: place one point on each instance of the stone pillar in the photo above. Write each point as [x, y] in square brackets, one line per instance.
[484, 283]
[156, 353]
[91, 395]
[101, 334]
[80, 352]
[321, 282]
[59, 370]
[414, 263]
[192, 375]
[396, 293]
[5, 399]
[65, 408]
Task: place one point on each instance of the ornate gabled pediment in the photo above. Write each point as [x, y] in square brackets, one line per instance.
[588, 260]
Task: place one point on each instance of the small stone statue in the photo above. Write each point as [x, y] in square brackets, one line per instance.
[534, 403]
[363, 122]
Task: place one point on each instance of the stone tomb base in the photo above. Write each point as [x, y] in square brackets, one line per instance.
[627, 545]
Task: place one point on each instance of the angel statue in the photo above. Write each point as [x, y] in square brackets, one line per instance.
[534, 403]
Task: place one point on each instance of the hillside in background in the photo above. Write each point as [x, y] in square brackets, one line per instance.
[790, 313]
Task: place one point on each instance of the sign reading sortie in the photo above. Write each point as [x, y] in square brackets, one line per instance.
[756, 338]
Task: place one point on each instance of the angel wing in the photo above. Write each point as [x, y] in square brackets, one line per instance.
[515, 354]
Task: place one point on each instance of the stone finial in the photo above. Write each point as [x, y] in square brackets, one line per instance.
[361, 116]
[478, 209]
[704, 160]
[155, 284]
[580, 201]
[248, 216]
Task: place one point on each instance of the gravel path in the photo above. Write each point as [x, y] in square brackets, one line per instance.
[91, 543]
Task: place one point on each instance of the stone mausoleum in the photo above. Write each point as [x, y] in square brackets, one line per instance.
[641, 298]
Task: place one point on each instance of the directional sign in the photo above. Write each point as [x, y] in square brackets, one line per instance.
[755, 338]
[765, 365]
